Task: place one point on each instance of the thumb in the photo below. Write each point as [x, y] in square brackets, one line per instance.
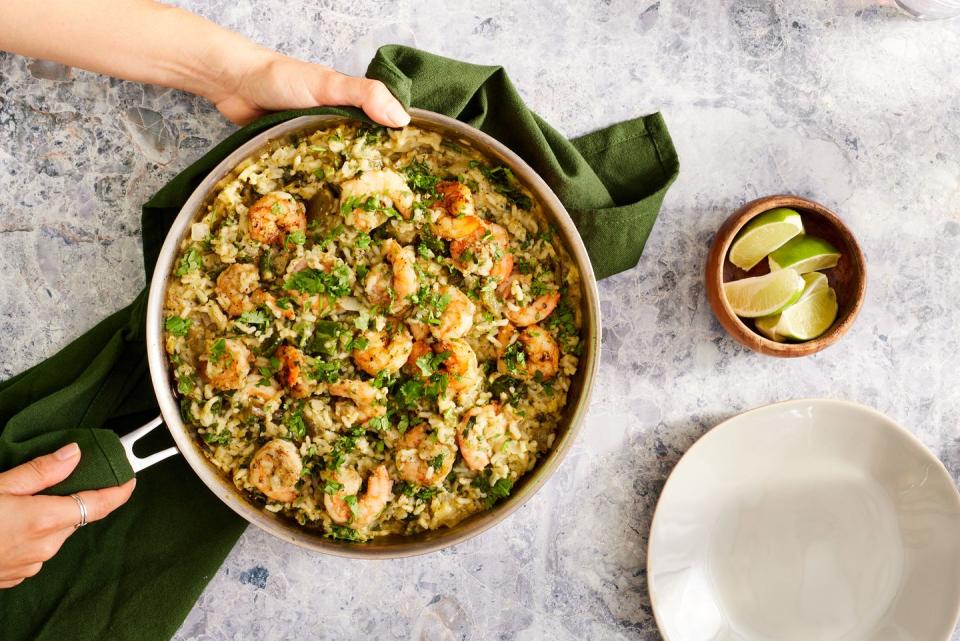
[335, 88]
[40, 473]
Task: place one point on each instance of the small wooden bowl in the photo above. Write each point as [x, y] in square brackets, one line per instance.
[848, 278]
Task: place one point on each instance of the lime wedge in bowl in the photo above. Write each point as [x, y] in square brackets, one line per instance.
[767, 325]
[804, 254]
[810, 317]
[764, 295]
[764, 234]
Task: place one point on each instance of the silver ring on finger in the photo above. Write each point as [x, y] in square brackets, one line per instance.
[83, 511]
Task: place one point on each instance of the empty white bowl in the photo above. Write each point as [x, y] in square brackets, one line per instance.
[811, 520]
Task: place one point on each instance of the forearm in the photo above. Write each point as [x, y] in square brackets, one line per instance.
[136, 40]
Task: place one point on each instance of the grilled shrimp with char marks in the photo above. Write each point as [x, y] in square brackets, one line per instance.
[275, 470]
[458, 219]
[274, 216]
[385, 350]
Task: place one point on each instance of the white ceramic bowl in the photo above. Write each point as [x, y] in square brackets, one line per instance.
[811, 520]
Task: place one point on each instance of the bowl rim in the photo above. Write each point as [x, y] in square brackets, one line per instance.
[531, 482]
[717, 257]
[888, 422]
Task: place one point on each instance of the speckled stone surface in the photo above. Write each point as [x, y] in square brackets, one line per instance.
[850, 104]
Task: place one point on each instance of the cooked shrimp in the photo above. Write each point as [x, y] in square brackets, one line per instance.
[387, 186]
[456, 199]
[234, 286]
[460, 366]
[542, 352]
[457, 220]
[393, 292]
[453, 228]
[420, 348]
[519, 309]
[418, 328]
[345, 507]
[275, 470]
[384, 351]
[505, 336]
[423, 460]
[481, 432]
[485, 252]
[267, 299]
[226, 363]
[274, 216]
[260, 393]
[369, 401]
[457, 317]
[291, 363]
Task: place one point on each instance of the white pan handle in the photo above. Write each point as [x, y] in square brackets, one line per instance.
[130, 439]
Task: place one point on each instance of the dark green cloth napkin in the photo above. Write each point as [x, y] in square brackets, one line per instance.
[136, 574]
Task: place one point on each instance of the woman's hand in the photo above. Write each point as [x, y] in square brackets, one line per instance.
[32, 528]
[273, 82]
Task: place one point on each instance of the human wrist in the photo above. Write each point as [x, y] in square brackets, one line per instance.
[212, 62]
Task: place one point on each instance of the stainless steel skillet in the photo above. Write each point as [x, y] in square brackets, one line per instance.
[391, 546]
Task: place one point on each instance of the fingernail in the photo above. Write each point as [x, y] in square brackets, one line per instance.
[67, 452]
[397, 115]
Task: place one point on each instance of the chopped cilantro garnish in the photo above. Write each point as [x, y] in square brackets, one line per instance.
[379, 423]
[512, 387]
[190, 262]
[344, 533]
[335, 283]
[437, 462]
[293, 420]
[325, 372]
[416, 492]
[362, 241]
[430, 246]
[515, 358]
[255, 319]
[420, 179]
[296, 238]
[432, 304]
[218, 349]
[429, 363]
[503, 181]
[185, 384]
[221, 438]
[332, 487]
[357, 343]
[382, 379]
[499, 490]
[178, 326]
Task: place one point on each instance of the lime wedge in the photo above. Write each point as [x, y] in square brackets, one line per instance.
[764, 234]
[764, 295]
[810, 317]
[767, 325]
[804, 254]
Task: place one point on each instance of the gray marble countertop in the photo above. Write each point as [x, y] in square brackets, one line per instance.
[852, 105]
